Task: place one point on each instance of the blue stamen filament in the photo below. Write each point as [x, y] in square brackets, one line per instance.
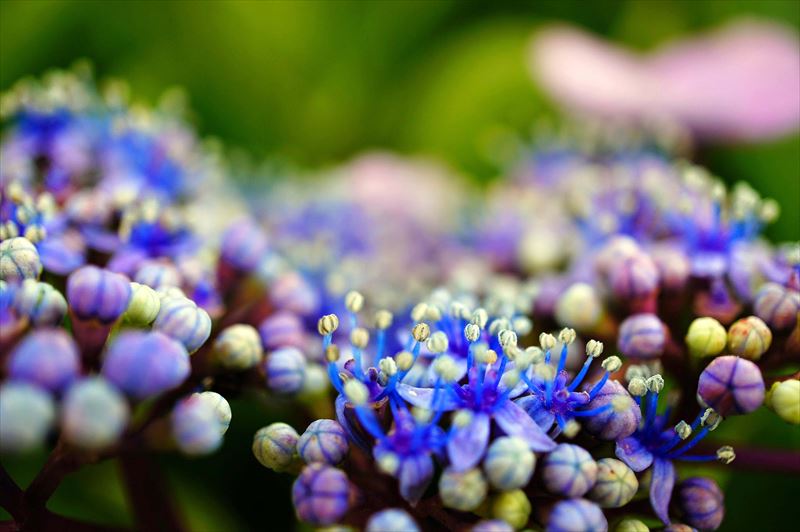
[678, 453]
[579, 377]
[599, 386]
[368, 421]
[650, 415]
[562, 360]
[333, 375]
[592, 411]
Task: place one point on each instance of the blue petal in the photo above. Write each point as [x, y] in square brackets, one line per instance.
[661, 488]
[422, 397]
[516, 422]
[415, 475]
[356, 436]
[534, 408]
[467, 444]
[633, 453]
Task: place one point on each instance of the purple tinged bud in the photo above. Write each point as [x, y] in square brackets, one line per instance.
[571, 515]
[569, 471]
[47, 358]
[285, 370]
[391, 520]
[701, 503]
[731, 385]
[616, 422]
[26, 415]
[642, 336]
[282, 329]
[633, 278]
[19, 260]
[221, 407]
[42, 304]
[777, 305]
[293, 293]
[275, 446]
[616, 484]
[181, 319]
[144, 364]
[749, 338]
[158, 274]
[321, 495]
[196, 426]
[243, 245]
[97, 294]
[323, 441]
[93, 414]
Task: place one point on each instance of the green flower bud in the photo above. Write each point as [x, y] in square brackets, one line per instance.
[143, 306]
[631, 525]
[784, 399]
[706, 337]
[463, 491]
[275, 446]
[238, 347]
[513, 507]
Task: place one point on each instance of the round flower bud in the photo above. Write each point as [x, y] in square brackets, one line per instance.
[93, 414]
[221, 407]
[97, 294]
[513, 507]
[679, 527]
[706, 337]
[614, 423]
[238, 347]
[509, 463]
[777, 305]
[749, 338]
[642, 336]
[19, 260]
[462, 490]
[285, 370]
[316, 381]
[158, 274]
[784, 399]
[195, 426]
[274, 446]
[26, 415]
[569, 470]
[633, 278]
[143, 306]
[42, 304]
[243, 245]
[616, 484]
[321, 494]
[181, 319]
[292, 292]
[391, 520]
[47, 358]
[701, 503]
[323, 441]
[572, 515]
[492, 525]
[731, 385]
[283, 329]
[579, 307]
[144, 364]
[631, 525]
[328, 324]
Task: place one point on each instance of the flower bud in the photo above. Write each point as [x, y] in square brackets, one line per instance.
[569, 470]
[731, 385]
[285, 370]
[93, 414]
[243, 245]
[642, 336]
[282, 329]
[321, 494]
[579, 307]
[701, 503]
[221, 407]
[97, 294]
[438, 342]
[144, 364]
[293, 293]
[749, 338]
[238, 347]
[631, 525]
[616, 484]
[673, 267]
[47, 358]
[513, 507]
[706, 337]
[143, 306]
[391, 520]
[195, 426]
[158, 274]
[421, 332]
[324, 441]
[615, 423]
[42, 304]
[26, 415]
[509, 463]
[784, 399]
[274, 446]
[181, 319]
[576, 514]
[19, 260]
[491, 525]
[633, 278]
[328, 324]
[462, 490]
[777, 305]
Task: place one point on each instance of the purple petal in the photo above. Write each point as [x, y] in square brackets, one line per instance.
[661, 488]
[422, 397]
[630, 451]
[467, 444]
[356, 436]
[59, 257]
[415, 475]
[126, 260]
[516, 422]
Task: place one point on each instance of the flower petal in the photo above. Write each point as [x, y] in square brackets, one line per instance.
[516, 422]
[422, 397]
[635, 456]
[467, 444]
[661, 488]
[415, 475]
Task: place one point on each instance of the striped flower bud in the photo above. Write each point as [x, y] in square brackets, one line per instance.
[731, 385]
[777, 305]
[26, 416]
[749, 338]
[97, 294]
[617, 422]
[285, 370]
[243, 245]
[569, 470]
[642, 336]
[701, 503]
[19, 260]
[321, 494]
[631, 525]
[195, 426]
[391, 520]
[275, 446]
[47, 358]
[633, 278]
[238, 347]
[462, 490]
[181, 319]
[576, 514]
[42, 304]
[509, 463]
[283, 329]
[324, 441]
[292, 292]
[158, 274]
[93, 414]
[220, 406]
[706, 337]
[616, 484]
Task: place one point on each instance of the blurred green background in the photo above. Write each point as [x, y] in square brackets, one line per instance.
[313, 83]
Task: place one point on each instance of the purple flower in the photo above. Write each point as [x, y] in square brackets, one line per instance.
[321, 495]
[642, 336]
[701, 503]
[97, 294]
[731, 385]
[48, 358]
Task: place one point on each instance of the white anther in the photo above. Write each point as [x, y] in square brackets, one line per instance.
[359, 337]
[612, 364]
[354, 301]
[566, 336]
[383, 319]
[327, 324]
[437, 343]
[388, 366]
[472, 332]
[594, 348]
[655, 383]
[421, 332]
[547, 341]
[356, 392]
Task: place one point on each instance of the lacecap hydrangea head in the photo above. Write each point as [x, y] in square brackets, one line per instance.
[47, 358]
[93, 414]
[19, 260]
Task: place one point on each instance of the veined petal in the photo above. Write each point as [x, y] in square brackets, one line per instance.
[467, 444]
[422, 397]
[630, 451]
[516, 422]
[415, 475]
[661, 488]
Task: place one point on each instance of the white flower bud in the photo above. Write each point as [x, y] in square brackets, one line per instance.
[388, 463]
[571, 429]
